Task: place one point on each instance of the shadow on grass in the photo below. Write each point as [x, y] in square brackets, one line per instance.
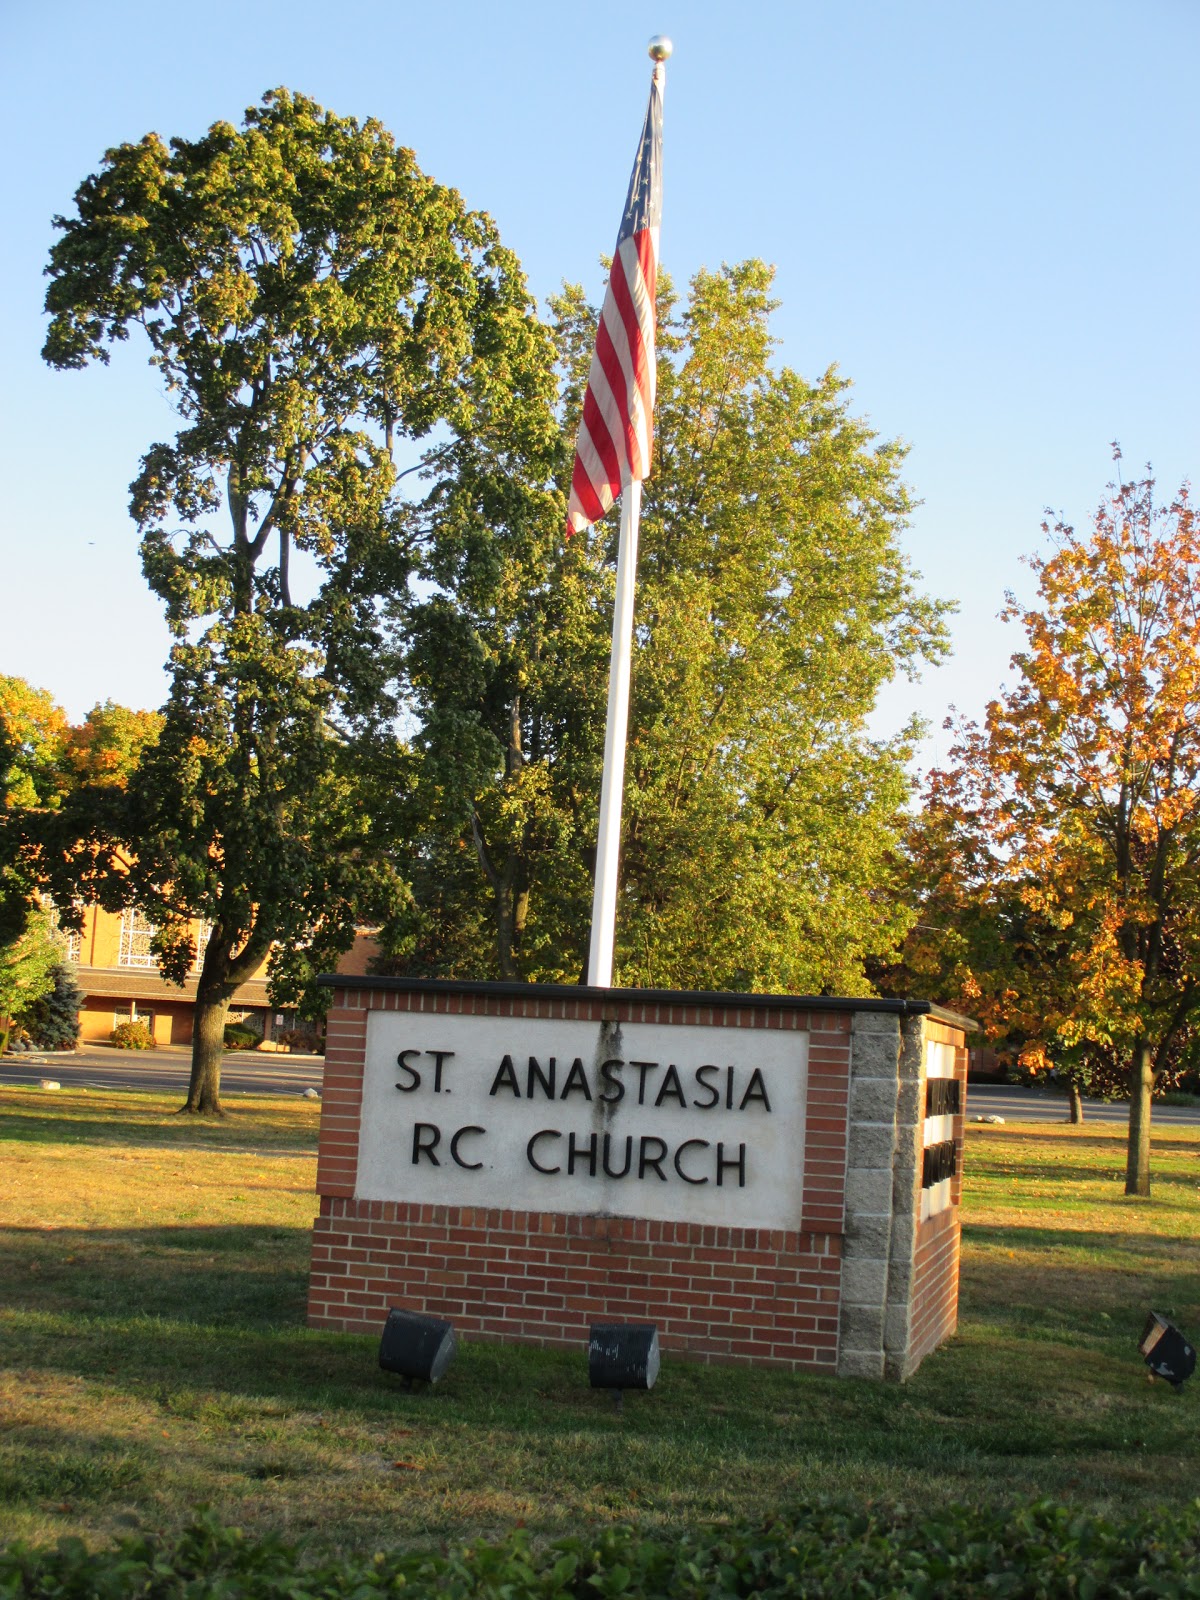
[145, 1369]
[244, 1275]
[1108, 1145]
[1027, 1236]
[243, 1130]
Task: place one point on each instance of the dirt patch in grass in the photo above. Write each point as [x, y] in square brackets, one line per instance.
[153, 1357]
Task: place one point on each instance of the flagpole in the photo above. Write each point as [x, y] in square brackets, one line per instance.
[608, 841]
[591, 491]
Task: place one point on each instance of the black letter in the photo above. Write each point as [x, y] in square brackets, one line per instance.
[711, 1088]
[588, 1153]
[645, 1160]
[612, 1080]
[724, 1161]
[407, 1088]
[752, 1093]
[704, 1144]
[728, 1092]
[546, 1133]
[471, 1166]
[535, 1071]
[506, 1077]
[608, 1171]
[576, 1081]
[671, 1087]
[425, 1147]
[643, 1068]
[438, 1057]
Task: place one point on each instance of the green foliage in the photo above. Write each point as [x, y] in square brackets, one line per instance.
[131, 1036]
[52, 1021]
[311, 299]
[824, 1550]
[239, 1037]
[27, 966]
[773, 601]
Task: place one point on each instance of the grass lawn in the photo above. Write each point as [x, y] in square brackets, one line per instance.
[153, 1356]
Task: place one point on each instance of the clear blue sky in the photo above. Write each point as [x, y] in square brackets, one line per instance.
[986, 215]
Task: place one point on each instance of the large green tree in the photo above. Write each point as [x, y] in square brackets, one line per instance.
[311, 300]
[761, 818]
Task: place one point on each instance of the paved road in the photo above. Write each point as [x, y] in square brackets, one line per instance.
[166, 1069]
[1016, 1103]
[246, 1072]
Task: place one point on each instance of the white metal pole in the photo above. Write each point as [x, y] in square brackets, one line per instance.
[608, 842]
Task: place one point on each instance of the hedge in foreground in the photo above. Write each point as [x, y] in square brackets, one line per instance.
[835, 1551]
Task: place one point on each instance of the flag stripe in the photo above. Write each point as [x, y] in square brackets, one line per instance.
[637, 362]
[613, 385]
[615, 440]
[600, 433]
[582, 493]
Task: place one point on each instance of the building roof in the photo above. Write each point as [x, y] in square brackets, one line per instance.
[134, 983]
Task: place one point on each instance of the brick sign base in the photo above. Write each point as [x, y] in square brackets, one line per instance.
[862, 1282]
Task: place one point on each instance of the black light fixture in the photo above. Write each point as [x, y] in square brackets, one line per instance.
[419, 1348]
[622, 1355]
[1167, 1353]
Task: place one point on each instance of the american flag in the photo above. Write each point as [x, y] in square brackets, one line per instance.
[616, 429]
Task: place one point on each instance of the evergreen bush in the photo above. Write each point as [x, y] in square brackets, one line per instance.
[52, 1022]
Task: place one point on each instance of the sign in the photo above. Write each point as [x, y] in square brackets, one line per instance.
[687, 1123]
[940, 1156]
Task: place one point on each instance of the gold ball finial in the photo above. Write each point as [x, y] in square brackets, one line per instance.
[660, 47]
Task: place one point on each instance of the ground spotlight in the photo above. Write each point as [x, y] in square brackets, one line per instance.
[622, 1355]
[419, 1348]
[1167, 1352]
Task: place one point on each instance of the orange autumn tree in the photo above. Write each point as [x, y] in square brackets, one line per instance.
[988, 942]
[1072, 817]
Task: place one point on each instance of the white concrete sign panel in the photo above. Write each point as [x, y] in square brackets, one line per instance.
[674, 1123]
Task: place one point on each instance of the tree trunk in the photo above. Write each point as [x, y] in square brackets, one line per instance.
[1141, 1085]
[505, 931]
[223, 972]
[208, 1053]
[1075, 1096]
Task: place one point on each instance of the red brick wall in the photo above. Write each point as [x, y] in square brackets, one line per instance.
[542, 1277]
[935, 1267]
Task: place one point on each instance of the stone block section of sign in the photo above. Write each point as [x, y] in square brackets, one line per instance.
[810, 1256]
[870, 1163]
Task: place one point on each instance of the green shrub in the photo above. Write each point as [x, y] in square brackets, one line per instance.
[131, 1036]
[298, 1039]
[822, 1551]
[239, 1037]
